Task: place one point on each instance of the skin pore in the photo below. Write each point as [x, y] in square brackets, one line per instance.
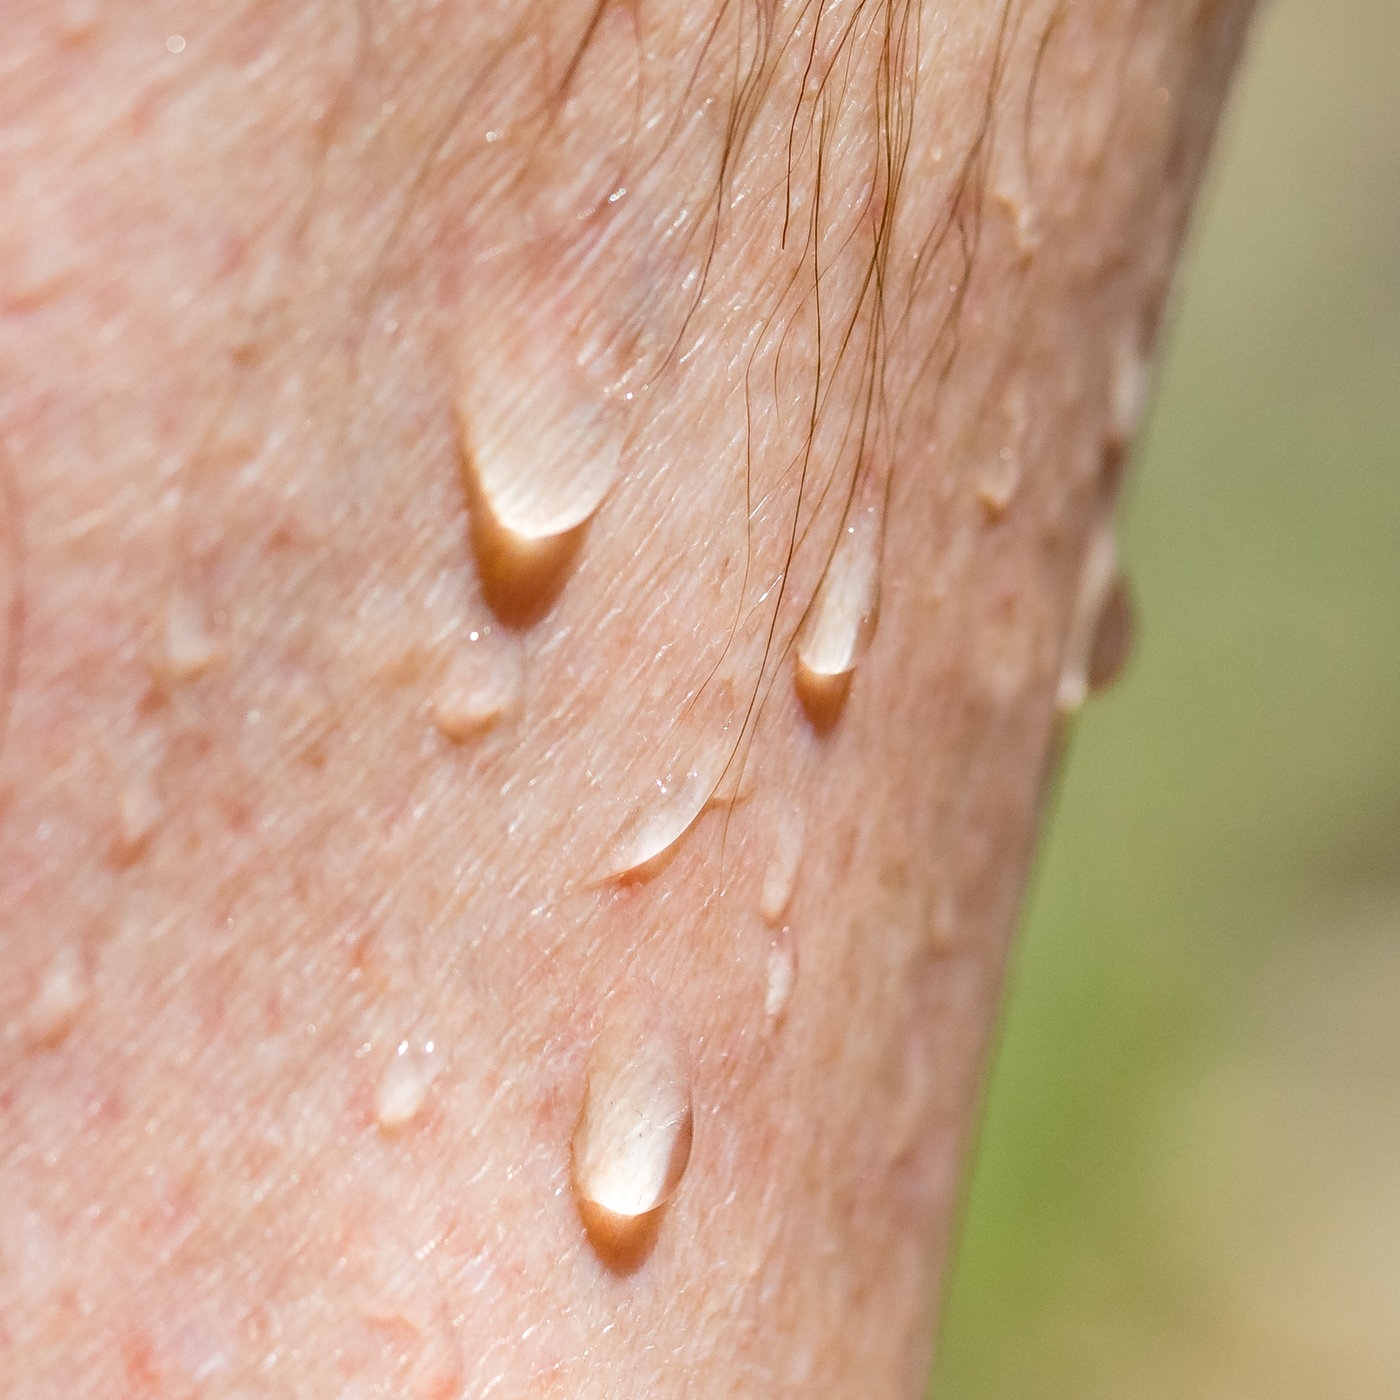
[531, 527]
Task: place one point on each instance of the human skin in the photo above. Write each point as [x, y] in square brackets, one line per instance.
[269, 269]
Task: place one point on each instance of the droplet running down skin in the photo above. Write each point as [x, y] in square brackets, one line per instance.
[838, 627]
[631, 1144]
[541, 444]
[482, 686]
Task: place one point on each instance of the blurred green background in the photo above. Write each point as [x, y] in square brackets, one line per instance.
[1188, 1182]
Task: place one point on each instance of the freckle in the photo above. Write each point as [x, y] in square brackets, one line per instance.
[483, 686]
[782, 975]
[631, 1144]
[780, 874]
[403, 1087]
[62, 996]
[189, 649]
[838, 628]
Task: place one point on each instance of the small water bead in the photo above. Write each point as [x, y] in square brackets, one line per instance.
[1000, 478]
[403, 1087]
[138, 815]
[1112, 644]
[782, 975]
[1100, 622]
[780, 874]
[483, 686]
[190, 650]
[838, 627]
[63, 994]
[631, 1144]
[1127, 394]
[998, 483]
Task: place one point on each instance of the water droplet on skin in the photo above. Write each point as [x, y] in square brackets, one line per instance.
[1000, 479]
[782, 975]
[703, 745]
[138, 815]
[840, 623]
[1014, 196]
[189, 649]
[631, 1144]
[647, 842]
[403, 1087]
[1127, 398]
[483, 685]
[541, 449]
[1098, 582]
[1113, 637]
[63, 994]
[780, 874]
[998, 483]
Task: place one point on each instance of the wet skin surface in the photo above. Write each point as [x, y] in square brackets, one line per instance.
[514, 515]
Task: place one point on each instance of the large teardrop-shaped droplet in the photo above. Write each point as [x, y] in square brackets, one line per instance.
[541, 434]
[631, 1144]
[841, 621]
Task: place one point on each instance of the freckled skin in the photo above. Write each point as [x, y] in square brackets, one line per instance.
[240, 283]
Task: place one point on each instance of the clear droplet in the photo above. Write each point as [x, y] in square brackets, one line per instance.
[998, 483]
[1000, 478]
[632, 1142]
[702, 748]
[403, 1087]
[841, 621]
[1098, 582]
[541, 442]
[782, 976]
[648, 840]
[63, 994]
[483, 686]
[780, 874]
[1127, 393]
[1113, 637]
[138, 814]
[190, 650]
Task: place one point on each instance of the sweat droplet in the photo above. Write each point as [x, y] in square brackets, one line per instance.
[701, 747]
[540, 437]
[1100, 627]
[782, 974]
[649, 838]
[780, 874]
[189, 649]
[631, 1144]
[837, 629]
[62, 996]
[403, 1087]
[1113, 637]
[482, 686]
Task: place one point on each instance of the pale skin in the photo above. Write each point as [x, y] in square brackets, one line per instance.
[267, 271]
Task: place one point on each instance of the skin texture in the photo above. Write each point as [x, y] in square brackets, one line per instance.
[264, 268]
